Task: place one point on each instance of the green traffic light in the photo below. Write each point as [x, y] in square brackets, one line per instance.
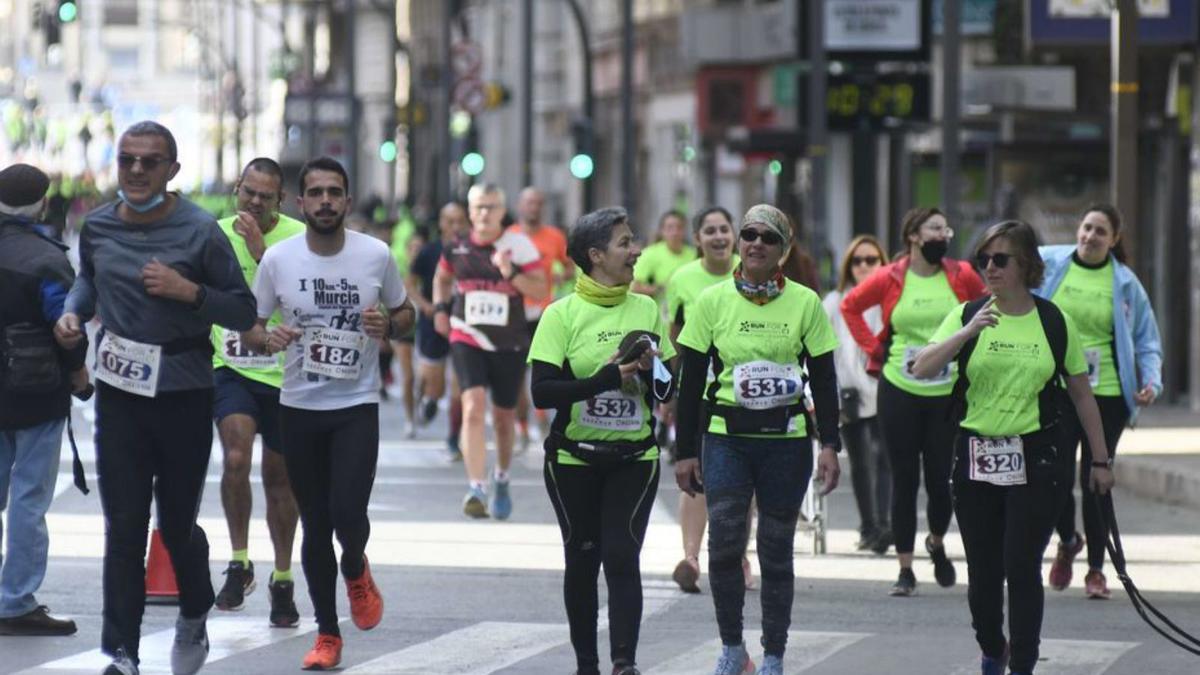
[68, 12]
[472, 163]
[582, 166]
[775, 167]
[388, 151]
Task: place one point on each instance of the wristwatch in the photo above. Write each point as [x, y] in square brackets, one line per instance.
[201, 294]
[1106, 464]
[441, 307]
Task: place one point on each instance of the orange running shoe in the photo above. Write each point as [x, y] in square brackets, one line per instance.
[366, 604]
[326, 654]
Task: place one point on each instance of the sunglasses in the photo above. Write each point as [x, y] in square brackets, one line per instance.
[855, 261]
[768, 237]
[1001, 260]
[150, 163]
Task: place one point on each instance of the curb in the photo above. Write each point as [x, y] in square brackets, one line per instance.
[1159, 480]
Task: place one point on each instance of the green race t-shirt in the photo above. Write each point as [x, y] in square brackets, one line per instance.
[688, 283]
[1010, 366]
[657, 263]
[758, 346]
[585, 336]
[1087, 296]
[923, 304]
[228, 351]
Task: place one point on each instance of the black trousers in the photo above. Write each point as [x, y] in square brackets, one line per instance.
[917, 433]
[870, 474]
[603, 512]
[1005, 531]
[1114, 415]
[151, 447]
[331, 457]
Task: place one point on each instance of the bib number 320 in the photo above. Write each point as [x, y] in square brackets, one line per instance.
[999, 461]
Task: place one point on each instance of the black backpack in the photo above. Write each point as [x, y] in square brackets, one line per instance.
[1052, 400]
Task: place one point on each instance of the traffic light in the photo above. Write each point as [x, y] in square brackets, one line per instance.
[582, 165]
[68, 11]
[472, 163]
[388, 150]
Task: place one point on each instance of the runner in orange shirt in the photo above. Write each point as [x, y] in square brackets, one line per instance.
[551, 244]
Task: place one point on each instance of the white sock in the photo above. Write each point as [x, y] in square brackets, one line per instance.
[501, 476]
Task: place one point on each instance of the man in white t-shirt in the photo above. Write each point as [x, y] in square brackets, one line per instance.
[328, 287]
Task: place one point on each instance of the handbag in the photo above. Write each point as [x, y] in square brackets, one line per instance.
[29, 360]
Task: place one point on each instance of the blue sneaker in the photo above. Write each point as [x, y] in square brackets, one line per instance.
[771, 665]
[501, 500]
[734, 661]
[475, 503]
[993, 666]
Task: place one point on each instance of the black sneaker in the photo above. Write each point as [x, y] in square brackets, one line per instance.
[625, 669]
[429, 410]
[883, 541]
[943, 569]
[283, 604]
[37, 622]
[906, 585]
[239, 582]
[121, 664]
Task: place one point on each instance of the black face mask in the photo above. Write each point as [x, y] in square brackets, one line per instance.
[934, 250]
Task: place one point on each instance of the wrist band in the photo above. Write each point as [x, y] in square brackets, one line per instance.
[1106, 464]
[441, 307]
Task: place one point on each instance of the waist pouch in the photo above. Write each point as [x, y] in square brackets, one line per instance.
[740, 420]
[187, 344]
[599, 452]
[29, 363]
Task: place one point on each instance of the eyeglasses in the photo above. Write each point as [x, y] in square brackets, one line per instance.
[855, 261]
[149, 163]
[768, 237]
[1001, 260]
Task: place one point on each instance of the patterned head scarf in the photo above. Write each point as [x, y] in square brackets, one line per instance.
[765, 214]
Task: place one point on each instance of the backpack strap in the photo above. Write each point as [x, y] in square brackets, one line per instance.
[958, 396]
[1051, 399]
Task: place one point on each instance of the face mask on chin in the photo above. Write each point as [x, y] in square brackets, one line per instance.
[934, 250]
[146, 207]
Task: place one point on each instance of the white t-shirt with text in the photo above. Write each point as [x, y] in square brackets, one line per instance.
[335, 365]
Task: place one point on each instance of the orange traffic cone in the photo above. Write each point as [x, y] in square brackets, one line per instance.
[160, 575]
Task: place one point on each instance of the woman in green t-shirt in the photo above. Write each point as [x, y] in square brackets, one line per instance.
[660, 260]
[1010, 473]
[713, 229]
[595, 360]
[757, 331]
[1121, 343]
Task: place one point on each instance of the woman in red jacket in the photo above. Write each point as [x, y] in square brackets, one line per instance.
[914, 293]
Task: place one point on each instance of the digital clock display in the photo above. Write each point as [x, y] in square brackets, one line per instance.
[877, 100]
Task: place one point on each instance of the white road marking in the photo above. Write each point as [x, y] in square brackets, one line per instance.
[805, 649]
[1070, 657]
[227, 636]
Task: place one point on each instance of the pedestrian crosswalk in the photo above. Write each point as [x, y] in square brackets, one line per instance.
[227, 636]
[490, 647]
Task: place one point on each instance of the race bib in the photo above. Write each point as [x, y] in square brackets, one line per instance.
[485, 308]
[334, 353]
[1092, 356]
[239, 355]
[762, 385]
[999, 461]
[910, 355]
[130, 366]
[612, 411]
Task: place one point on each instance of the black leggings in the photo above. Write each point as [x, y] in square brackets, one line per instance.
[1005, 531]
[151, 447]
[1114, 415]
[603, 512]
[917, 431]
[330, 456]
[870, 474]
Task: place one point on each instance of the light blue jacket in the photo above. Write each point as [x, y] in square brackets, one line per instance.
[1134, 327]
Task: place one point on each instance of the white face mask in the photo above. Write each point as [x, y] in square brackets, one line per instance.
[146, 207]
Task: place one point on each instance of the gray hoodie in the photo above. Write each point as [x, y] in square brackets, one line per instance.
[112, 253]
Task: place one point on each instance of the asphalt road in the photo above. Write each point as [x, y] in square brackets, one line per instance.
[485, 597]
